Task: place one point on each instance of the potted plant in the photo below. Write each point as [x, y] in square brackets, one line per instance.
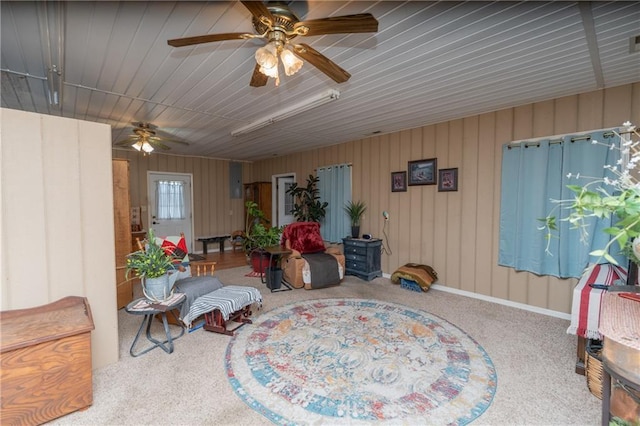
[355, 210]
[151, 265]
[307, 205]
[258, 236]
[604, 198]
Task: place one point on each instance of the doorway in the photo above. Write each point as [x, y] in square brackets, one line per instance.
[170, 205]
[282, 202]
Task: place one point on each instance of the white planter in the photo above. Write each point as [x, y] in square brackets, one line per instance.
[157, 289]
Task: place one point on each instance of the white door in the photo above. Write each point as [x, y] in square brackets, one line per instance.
[284, 200]
[170, 205]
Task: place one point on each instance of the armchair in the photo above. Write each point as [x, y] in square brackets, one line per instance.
[311, 264]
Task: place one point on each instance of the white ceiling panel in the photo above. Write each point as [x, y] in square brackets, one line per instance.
[428, 62]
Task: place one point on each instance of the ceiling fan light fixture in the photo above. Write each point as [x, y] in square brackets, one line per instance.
[291, 62]
[137, 145]
[267, 57]
[146, 147]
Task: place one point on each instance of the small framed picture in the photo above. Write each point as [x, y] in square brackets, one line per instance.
[422, 172]
[447, 180]
[398, 181]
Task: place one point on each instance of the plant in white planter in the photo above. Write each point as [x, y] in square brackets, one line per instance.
[152, 265]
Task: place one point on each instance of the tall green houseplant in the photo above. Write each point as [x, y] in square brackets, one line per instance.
[307, 205]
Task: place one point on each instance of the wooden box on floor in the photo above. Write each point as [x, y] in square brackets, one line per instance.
[45, 361]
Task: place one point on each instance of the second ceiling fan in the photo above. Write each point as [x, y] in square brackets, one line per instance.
[276, 23]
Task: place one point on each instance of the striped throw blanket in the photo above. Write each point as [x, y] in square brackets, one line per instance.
[587, 301]
[227, 299]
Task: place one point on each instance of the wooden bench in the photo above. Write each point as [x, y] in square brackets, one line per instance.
[215, 239]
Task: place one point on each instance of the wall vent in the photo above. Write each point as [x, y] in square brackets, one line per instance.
[634, 44]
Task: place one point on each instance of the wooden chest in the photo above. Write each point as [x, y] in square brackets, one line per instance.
[45, 359]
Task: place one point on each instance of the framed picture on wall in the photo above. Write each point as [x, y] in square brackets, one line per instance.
[447, 180]
[422, 172]
[398, 181]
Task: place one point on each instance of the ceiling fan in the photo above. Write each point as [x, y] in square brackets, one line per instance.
[145, 140]
[275, 22]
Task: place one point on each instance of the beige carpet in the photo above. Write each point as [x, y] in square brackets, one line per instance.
[533, 356]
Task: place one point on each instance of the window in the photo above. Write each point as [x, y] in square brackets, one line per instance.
[533, 174]
[170, 200]
[288, 198]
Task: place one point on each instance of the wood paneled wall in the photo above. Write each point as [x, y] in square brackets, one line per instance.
[57, 219]
[214, 211]
[457, 232]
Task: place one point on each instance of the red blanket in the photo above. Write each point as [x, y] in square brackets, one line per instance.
[587, 301]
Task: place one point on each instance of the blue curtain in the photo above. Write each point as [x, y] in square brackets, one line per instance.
[334, 187]
[534, 173]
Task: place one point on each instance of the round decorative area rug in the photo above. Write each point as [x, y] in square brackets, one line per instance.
[354, 361]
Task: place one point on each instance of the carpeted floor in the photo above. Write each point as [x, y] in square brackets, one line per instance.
[532, 354]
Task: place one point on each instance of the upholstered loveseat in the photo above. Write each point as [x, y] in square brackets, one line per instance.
[311, 264]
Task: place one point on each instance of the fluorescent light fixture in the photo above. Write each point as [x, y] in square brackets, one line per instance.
[54, 86]
[51, 22]
[290, 111]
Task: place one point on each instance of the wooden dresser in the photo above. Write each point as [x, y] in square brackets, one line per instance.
[45, 361]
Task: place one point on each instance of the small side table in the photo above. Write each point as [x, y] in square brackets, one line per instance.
[144, 307]
[276, 252]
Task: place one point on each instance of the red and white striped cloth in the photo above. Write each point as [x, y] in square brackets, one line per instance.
[587, 301]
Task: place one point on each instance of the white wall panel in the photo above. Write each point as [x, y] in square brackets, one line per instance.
[57, 219]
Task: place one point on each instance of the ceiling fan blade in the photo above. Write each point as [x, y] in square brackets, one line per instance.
[321, 62]
[143, 125]
[160, 145]
[124, 142]
[258, 79]
[259, 9]
[162, 139]
[189, 41]
[360, 23]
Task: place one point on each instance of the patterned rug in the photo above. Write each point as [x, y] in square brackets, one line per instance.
[354, 361]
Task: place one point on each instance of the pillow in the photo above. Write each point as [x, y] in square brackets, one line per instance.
[304, 237]
[174, 246]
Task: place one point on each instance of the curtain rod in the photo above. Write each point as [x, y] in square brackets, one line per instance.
[334, 165]
[555, 139]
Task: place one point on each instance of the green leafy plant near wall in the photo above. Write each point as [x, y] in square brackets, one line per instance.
[258, 234]
[307, 205]
[603, 198]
